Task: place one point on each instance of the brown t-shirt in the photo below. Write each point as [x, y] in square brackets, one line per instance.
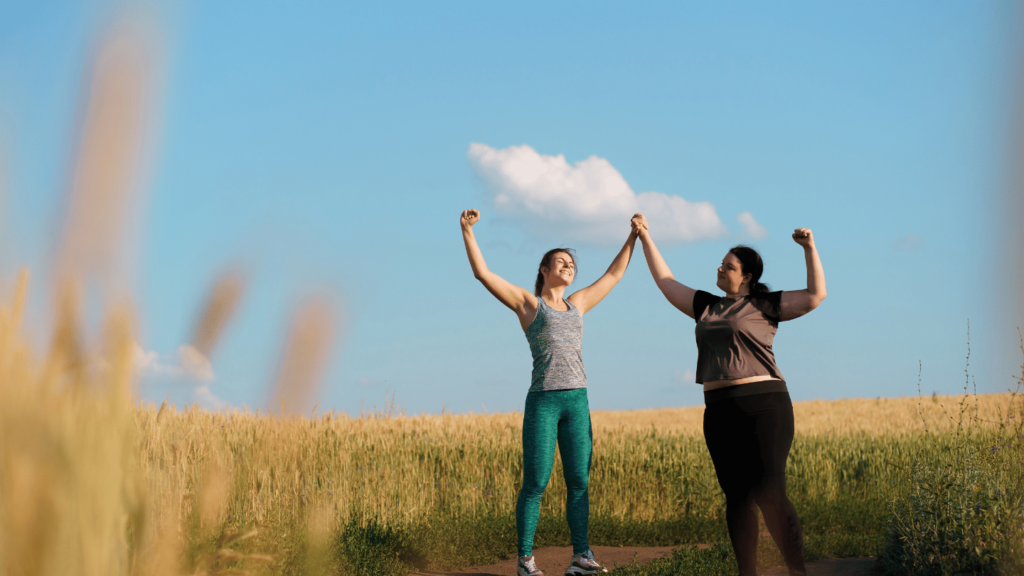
[734, 336]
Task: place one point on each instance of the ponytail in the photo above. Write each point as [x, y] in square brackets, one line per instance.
[750, 263]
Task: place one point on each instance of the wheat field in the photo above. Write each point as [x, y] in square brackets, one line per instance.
[93, 482]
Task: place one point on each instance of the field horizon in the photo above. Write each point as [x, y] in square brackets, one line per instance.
[808, 414]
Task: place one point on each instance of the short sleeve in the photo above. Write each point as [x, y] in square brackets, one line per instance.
[701, 301]
[770, 304]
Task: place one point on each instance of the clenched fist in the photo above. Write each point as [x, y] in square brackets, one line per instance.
[469, 217]
[803, 237]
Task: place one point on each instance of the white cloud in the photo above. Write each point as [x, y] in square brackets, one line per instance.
[588, 201]
[187, 363]
[684, 377]
[187, 367]
[752, 227]
[207, 399]
[195, 364]
[146, 361]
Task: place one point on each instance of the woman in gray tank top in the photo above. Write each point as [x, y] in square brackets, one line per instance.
[557, 411]
[748, 418]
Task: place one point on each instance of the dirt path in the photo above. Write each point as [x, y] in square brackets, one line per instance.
[836, 567]
[555, 559]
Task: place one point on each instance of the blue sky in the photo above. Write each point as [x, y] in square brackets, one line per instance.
[323, 147]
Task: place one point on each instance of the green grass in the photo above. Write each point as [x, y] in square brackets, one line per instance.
[845, 512]
[446, 543]
[842, 527]
[719, 559]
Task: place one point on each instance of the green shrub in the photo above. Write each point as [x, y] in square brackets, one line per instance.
[962, 511]
[947, 523]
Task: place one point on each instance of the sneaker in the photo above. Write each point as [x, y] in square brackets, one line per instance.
[584, 564]
[528, 567]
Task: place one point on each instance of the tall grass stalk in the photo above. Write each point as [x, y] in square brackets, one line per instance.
[72, 496]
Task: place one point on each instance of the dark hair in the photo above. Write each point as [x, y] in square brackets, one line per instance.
[545, 262]
[750, 263]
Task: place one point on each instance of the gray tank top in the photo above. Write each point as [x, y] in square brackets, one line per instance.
[556, 341]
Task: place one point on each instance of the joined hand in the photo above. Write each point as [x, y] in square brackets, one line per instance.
[638, 224]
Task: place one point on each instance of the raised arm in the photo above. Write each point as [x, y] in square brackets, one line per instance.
[796, 303]
[677, 293]
[522, 302]
[586, 298]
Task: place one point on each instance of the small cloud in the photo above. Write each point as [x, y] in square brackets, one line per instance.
[588, 201]
[684, 377]
[207, 399]
[149, 364]
[195, 364]
[751, 226]
[367, 382]
[145, 360]
[908, 243]
[186, 363]
[188, 368]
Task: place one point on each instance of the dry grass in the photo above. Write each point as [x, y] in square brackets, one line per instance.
[403, 468]
[92, 483]
[871, 416]
[70, 486]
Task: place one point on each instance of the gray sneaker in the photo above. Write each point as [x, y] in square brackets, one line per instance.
[584, 564]
[528, 567]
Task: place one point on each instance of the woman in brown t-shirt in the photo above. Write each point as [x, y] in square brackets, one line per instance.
[748, 419]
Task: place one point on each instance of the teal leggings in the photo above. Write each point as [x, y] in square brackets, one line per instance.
[561, 416]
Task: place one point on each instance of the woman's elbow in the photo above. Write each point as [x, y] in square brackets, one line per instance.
[816, 299]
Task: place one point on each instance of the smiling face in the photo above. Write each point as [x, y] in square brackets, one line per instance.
[731, 278]
[560, 271]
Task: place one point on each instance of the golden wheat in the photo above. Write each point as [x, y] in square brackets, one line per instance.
[91, 484]
[872, 416]
[648, 465]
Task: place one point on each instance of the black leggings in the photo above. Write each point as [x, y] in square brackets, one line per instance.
[749, 429]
